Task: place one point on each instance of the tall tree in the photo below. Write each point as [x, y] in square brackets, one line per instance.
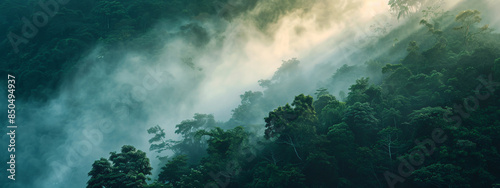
[293, 126]
[467, 19]
[403, 8]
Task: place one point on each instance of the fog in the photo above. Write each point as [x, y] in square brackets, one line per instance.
[112, 100]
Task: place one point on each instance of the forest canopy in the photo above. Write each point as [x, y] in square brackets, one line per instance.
[430, 122]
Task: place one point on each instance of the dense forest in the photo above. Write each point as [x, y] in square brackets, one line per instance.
[422, 112]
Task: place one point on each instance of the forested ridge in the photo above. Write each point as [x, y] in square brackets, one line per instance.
[425, 114]
[432, 121]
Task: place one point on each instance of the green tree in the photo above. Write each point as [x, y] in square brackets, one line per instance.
[189, 145]
[194, 178]
[173, 171]
[396, 79]
[330, 114]
[226, 155]
[390, 142]
[323, 101]
[362, 121]
[250, 110]
[99, 175]
[320, 92]
[293, 126]
[363, 92]
[342, 143]
[467, 19]
[129, 169]
[423, 121]
[440, 175]
[271, 175]
[357, 91]
[432, 27]
[403, 8]
[224, 144]
[158, 142]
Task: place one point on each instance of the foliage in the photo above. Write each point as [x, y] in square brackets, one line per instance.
[404, 7]
[173, 171]
[128, 169]
[424, 83]
[190, 144]
[467, 19]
